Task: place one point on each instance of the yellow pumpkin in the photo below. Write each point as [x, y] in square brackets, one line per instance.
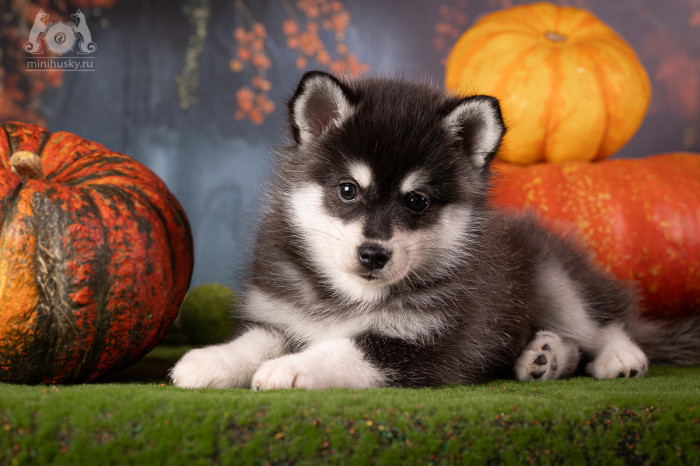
[570, 87]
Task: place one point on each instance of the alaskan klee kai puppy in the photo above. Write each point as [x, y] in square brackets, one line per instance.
[379, 261]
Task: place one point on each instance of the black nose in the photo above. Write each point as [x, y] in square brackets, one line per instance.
[373, 256]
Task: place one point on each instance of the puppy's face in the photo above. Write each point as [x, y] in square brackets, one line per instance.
[364, 241]
[387, 191]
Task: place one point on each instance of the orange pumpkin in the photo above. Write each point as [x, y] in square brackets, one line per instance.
[571, 89]
[639, 217]
[95, 257]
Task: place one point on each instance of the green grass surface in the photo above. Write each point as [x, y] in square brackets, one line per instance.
[137, 417]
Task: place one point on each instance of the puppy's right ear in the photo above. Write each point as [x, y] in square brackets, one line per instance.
[320, 103]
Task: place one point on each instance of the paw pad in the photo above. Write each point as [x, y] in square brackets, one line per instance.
[547, 357]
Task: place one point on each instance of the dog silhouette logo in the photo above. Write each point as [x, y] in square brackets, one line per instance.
[60, 37]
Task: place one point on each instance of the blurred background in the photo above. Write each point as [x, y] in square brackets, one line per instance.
[196, 89]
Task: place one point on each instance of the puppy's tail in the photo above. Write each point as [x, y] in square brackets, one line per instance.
[674, 342]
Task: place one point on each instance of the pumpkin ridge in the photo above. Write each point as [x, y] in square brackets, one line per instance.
[10, 210]
[601, 79]
[101, 175]
[606, 40]
[138, 204]
[501, 83]
[64, 149]
[619, 51]
[116, 203]
[100, 295]
[9, 204]
[514, 63]
[8, 153]
[56, 172]
[586, 21]
[181, 222]
[69, 290]
[88, 161]
[18, 312]
[477, 43]
[551, 59]
[539, 16]
[54, 316]
[534, 25]
[106, 319]
[557, 19]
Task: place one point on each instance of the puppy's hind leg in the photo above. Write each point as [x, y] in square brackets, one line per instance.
[547, 357]
[617, 355]
[577, 310]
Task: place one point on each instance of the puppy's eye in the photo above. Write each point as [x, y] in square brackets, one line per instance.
[416, 202]
[347, 192]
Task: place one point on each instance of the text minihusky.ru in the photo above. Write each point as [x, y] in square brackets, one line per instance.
[65, 64]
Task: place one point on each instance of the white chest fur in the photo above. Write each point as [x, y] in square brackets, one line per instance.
[329, 324]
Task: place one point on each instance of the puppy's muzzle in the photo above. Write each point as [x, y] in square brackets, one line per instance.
[373, 257]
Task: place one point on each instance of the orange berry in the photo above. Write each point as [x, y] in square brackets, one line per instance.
[258, 45]
[243, 53]
[256, 116]
[312, 12]
[290, 27]
[239, 34]
[341, 21]
[264, 85]
[269, 107]
[259, 30]
[245, 106]
[338, 67]
[244, 94]
[261, 61]
[236, 66]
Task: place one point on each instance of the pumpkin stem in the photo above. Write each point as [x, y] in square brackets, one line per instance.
[27, 165]
[555, 36]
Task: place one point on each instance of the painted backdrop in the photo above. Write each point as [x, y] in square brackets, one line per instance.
[196, 89]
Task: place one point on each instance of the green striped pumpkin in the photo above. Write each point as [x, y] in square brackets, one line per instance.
[95, 257]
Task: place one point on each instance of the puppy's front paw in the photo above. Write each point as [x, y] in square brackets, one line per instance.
[229, 365]
[547, 357]
[333, 363]
[286, 372]
[200, 368]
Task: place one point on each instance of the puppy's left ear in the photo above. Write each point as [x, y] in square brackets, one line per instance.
[477, 123]
[320, 103]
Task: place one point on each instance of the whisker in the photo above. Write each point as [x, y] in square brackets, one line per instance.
[416, 243]
[334, 226]
[325, 233]
[428, 248]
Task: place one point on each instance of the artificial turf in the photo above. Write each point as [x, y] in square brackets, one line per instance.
[138, 417]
